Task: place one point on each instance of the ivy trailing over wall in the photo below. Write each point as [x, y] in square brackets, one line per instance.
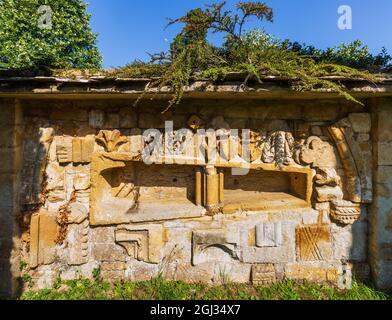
[252, 52]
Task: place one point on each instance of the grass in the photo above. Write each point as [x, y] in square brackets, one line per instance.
[160, 289]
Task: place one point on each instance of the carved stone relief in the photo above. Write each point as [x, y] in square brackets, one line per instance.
[111, 140]
[77, 150]
[345, 212]
[314, 242]
[263, 274]
[279, 148]
[141, 242]
[269, 234]
[356, 162]
[43, 235]
[203, 240]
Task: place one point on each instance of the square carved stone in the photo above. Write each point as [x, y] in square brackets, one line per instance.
[314, 243]
[263, 274]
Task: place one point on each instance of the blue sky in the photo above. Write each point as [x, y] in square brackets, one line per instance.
[130, 28]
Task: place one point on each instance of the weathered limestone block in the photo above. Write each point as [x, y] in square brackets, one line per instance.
[205, 243]
[82, 149]
[361, 122]
[77, 240]
[128, 118]
[312, 273]
[225, 272]
[384, 154]
[350, 242]
[141, 242]
[325, 194]
[113, 271]
[314, 243]
[327, 177]
[282, 253]
[64, 149]
[112, 121]
[43, 236]
[108, 252]
[384, 125]
[77, 150]
[35, 157]
[263, 274]
[136, 142]
[96, 119]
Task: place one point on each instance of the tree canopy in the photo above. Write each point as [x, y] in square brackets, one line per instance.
[35, 37]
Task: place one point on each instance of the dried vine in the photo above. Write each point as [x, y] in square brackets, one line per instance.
[62, 219]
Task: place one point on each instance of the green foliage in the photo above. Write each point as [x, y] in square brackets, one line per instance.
[22, 265]
[353, 55]
[68, 44]
[97, 274]
[160, 289]
[254, 53]
[27, 279]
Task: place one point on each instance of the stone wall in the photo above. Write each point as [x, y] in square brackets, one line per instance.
[301, 212]
[11, 129]
[381, 212]
[87, 200]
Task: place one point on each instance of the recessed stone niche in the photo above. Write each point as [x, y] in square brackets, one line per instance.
[136, 192]
[125, 191]
[267, 189]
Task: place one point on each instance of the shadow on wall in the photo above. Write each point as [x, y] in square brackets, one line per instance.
[10, 146]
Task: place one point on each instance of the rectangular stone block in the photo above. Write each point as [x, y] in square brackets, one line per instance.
[43, 236]
[384, 154]
[108, 252]
[284, 253]
[11, 136]
[9, 112]
[312, 273]
[384, 174]
[6, 190]
[7, 161]
[361, 122]
[384, 127]
[314, 243]
[128, 118]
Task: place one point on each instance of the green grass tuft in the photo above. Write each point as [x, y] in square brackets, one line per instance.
[160, 289]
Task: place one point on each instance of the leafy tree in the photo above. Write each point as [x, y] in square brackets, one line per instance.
[26, 44]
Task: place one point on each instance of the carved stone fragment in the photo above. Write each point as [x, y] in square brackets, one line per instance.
[314, 243]
[141, 242]
[345, 212]
[263, 274]
[279, 148]
[269, 234]
[316, 153]
[111, 140]
[43, 235]
[203, 240]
